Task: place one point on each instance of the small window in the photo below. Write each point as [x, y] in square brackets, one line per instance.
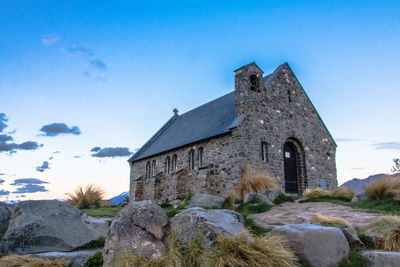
[290, 97]
[167, 165]
[264, 151]
[200, 156]
[191, 160]
[253, 83]
[153, 168]
[174, 164]
[148, 169]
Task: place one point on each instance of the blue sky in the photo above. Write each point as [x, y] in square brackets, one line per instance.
[116, 69]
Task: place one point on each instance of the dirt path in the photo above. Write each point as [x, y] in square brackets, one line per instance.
[289, 213]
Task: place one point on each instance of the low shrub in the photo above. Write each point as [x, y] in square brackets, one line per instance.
[316, 192]
[82, 198]
[384, 188]
[329, 221]
[354, 259]
[391, 239]
[344, 191]
[282, 198]
[27, 261]
[95, 261]
[245, 250]
[254, 182]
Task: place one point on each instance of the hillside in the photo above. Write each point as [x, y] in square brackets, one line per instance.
[358, 184]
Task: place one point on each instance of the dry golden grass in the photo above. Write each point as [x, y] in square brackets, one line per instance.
[84, 197]
[26, 261]
[316, 192]
[254, 182]
[329, 221]
[344, 192]
[381, 225]
[391, 240]
[384, 188]
[245, 250]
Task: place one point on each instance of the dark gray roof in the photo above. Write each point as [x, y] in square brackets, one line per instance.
[214, 118]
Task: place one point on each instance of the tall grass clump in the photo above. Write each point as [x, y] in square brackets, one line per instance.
[344, 191]
[245, 250]
[229, 202]
[254, 182]
[391, 240]
[316, 192]
[384, 188]
[381, 225]
[329, 221]
[27, 261]
[82, 198]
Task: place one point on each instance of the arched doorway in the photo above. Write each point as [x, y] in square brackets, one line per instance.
[294, 167]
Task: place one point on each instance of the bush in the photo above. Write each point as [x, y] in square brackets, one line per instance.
[282, 198]
[344, 191]
[254, 182]
[83, 198]
[245, 250]
[27, 261]
[316, 192]
[95, 261]
[384, 188]
[329, 221]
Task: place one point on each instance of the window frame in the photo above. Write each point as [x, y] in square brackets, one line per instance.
[264, 151]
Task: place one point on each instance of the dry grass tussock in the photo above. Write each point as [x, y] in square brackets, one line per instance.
[344, 191]
[329, 221]
[245, 250]
[384, 188]
[316, 192]
[254, 182]
[391, 240]
[26, 261]
[84, 197]
[381, 225]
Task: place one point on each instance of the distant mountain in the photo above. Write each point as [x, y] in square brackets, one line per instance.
[11, 201]
[118, 199]
[358, 184]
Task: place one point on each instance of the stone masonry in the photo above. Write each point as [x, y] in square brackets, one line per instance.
[273, 110]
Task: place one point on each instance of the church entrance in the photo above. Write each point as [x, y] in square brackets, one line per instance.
[290, 162]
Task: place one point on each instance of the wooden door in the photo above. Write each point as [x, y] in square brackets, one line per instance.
[290, 165]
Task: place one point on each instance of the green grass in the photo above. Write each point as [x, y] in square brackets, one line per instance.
[282, 198]
[98, 243]
[367, 240]
[379, 206]
[253, 207]
[171, 211]
[102, 211]
[353, 260]
[95, 261]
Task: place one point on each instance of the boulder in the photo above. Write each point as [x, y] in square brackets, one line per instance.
[74, 259]
[251, 196]
[98, 227]
[5, 216]
[381, 259]
[44, 225]
[272, 193]
[351, 236]
[141, 228]
[206, 201]
[176, 203]
[360, 196]
[209, 224]
[314, 244]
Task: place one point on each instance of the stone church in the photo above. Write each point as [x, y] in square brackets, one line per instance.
[267, 122]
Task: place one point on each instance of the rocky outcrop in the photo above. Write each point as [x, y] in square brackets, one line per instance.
[139, 228]
[98, 228]
[316, 245]
[205, 201]
[44, 225]
[351, 236]
[254, 196]
[272, 193]
[209, 224]
[381, 259]
[5, 216]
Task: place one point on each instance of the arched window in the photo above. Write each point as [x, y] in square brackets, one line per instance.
[148, 169]
[167, 165]
[153, 168]
[174, 164]
[191, 160]
[253, 83]
[200, 156]
[264, 151]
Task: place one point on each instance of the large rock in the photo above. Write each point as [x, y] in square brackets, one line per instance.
[252, 196]
[139, 228]
[352, 236]
[317, 245]
[44, 225]
[98, 227]
[205, 201]
[209, 224]
[360, 196]
[5, 216]
[381, 259]
[74, 259]
[272, 193]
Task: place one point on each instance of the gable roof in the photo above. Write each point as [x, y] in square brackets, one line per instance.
[211, 119]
